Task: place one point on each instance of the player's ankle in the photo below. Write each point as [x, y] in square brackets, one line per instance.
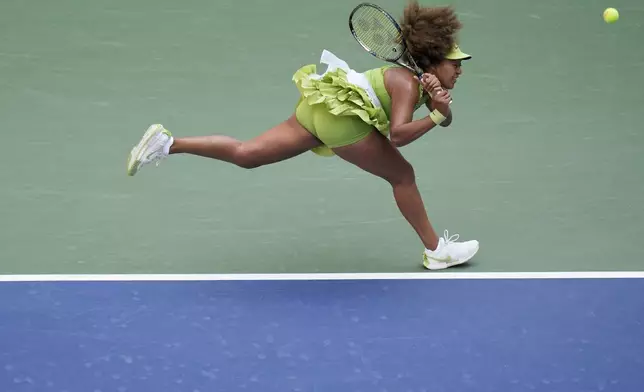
[431, 244]
[171, 147]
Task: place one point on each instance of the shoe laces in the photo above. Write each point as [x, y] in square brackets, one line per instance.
[448, 239]
[156, 156]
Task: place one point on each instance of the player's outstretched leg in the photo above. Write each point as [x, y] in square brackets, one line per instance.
[286, 140]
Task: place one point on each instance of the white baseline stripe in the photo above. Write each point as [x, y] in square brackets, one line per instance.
[323, 276]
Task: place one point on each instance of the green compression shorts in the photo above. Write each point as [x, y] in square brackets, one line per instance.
[334, 131]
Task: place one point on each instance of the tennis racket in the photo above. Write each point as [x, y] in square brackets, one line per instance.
[379, 34]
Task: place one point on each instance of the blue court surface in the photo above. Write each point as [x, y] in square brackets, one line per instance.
[353, 335]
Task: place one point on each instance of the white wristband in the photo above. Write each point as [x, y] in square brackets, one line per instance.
[437, 117]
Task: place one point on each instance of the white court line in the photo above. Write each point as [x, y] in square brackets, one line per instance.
[323, 276]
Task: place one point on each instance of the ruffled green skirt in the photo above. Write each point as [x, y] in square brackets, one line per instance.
[340, 97]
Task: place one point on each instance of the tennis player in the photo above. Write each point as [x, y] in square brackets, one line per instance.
[360, 117]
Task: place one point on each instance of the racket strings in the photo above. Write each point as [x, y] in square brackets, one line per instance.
[378, 33]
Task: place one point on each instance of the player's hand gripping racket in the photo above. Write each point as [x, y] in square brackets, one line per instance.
[379, 34]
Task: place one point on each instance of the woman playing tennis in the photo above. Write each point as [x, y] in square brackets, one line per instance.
[360, 117]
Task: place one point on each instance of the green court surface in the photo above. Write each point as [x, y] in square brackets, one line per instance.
[543, 164]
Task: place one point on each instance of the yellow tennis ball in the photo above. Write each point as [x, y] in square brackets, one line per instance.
[611, 15]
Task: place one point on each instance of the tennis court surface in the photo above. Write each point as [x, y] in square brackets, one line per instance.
[197, 276]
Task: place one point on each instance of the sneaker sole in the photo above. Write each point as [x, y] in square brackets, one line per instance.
[134, 160]
[441, 266]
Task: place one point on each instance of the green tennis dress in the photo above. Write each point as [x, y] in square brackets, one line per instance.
[341, 106]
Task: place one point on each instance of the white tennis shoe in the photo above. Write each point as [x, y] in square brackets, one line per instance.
[449, 253]
[153, 147]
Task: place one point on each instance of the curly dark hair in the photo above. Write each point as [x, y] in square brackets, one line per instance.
[430, 32]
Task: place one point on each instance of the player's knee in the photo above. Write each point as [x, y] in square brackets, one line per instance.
[405, 175]
[248, 157]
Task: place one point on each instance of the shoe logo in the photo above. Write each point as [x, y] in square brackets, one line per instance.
[447, 258]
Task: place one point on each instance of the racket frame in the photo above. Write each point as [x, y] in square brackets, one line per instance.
[413, 66]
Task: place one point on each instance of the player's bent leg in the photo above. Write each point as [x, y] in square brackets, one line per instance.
[376, 155]
[285, 140]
